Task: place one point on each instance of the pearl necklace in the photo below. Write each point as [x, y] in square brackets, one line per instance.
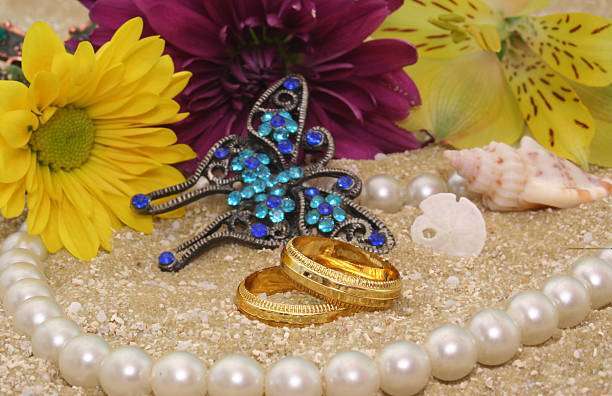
[449, 353]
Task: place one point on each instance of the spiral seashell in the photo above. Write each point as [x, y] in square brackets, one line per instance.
[526, 177]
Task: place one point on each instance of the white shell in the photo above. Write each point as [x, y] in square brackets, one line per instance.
[458, 226]
[526, 177]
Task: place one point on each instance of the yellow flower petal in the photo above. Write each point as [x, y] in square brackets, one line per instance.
[510, 8]
[555, 114]
[103, 224]
[14, 163]
[44, 90]
[163, 137]
[77, 233]
[141, 59]
[599, 102]
[120, 205]
[50, 235]
[39, 211]
[445, 37]
[40, 46]
[74, 191]
[178, 83]
[129, 107]
[466, 101]
[578, 46]
[13, 96]
[168, 155]
[15, 202]
[17, 126]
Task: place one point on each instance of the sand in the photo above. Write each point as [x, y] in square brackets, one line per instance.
[123, 296]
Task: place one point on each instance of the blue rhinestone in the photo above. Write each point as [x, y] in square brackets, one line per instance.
[249, 176]
[278, 191]
[285, 147]
[316, 201]
[291, 126]
[312, 217]
[291, 83]
[280, 135]
[237, 165]
[247, 192]
[277, 121]
[311, 192]
[246, 153]
[259, 230]
[377, 239]
[325, 209]
[222, 153]
[273, 201]
[266, 116]
[263, 172]
[264, 129]
[259, 186]
[339, 214]
[271, 182]
[333, 199]
[140, 201]
[345, 182]
[166, 259]
[288, 205]
[260, 197]
[251, 163]
[285, 114]
[276, 215]
[283, 177]
[234, 198]
[261, 211]
[326, 225]
[295, 172]
[263, 158]
[314, 138]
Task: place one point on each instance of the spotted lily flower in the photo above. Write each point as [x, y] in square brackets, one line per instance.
[487, 68]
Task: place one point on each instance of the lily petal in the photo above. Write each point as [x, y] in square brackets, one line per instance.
[469, 111]
[411, 22]
[555, 114]
[599, 102]
[511, 8]
[578, 46]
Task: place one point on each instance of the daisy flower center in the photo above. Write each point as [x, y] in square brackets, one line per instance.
[65, 140]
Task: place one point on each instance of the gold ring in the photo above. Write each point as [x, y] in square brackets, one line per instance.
[271, 281]
[340, 273]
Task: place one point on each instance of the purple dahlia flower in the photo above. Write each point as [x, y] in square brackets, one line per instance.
[237, 48]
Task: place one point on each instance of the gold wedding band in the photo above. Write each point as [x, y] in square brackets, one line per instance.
[271, 281]
[340, 273]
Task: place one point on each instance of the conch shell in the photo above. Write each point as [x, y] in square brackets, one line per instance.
[526, 177]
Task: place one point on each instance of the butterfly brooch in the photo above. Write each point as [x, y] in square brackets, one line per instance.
[269, 179]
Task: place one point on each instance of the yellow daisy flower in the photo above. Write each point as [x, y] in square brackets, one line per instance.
[84, 136]
[488, 67]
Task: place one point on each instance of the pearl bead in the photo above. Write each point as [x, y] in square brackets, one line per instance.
[34, 312]
[383, 192]
[24, 240]
[424, 186]
[236, 375]
[80, 359]
[19, 255]
[23, 290]
[457, 185]
[498, 338]
[606, 253]
[596, 276]
[351, 374]
[452, 351]
[178, 374]
[404, 368]
[293, 376]
[16, 272]
[571, 299]
[535, 315]
[126, 372]
[50, 337]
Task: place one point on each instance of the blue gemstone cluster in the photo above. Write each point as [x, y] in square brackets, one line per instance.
[281, 125]
[325, 211]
